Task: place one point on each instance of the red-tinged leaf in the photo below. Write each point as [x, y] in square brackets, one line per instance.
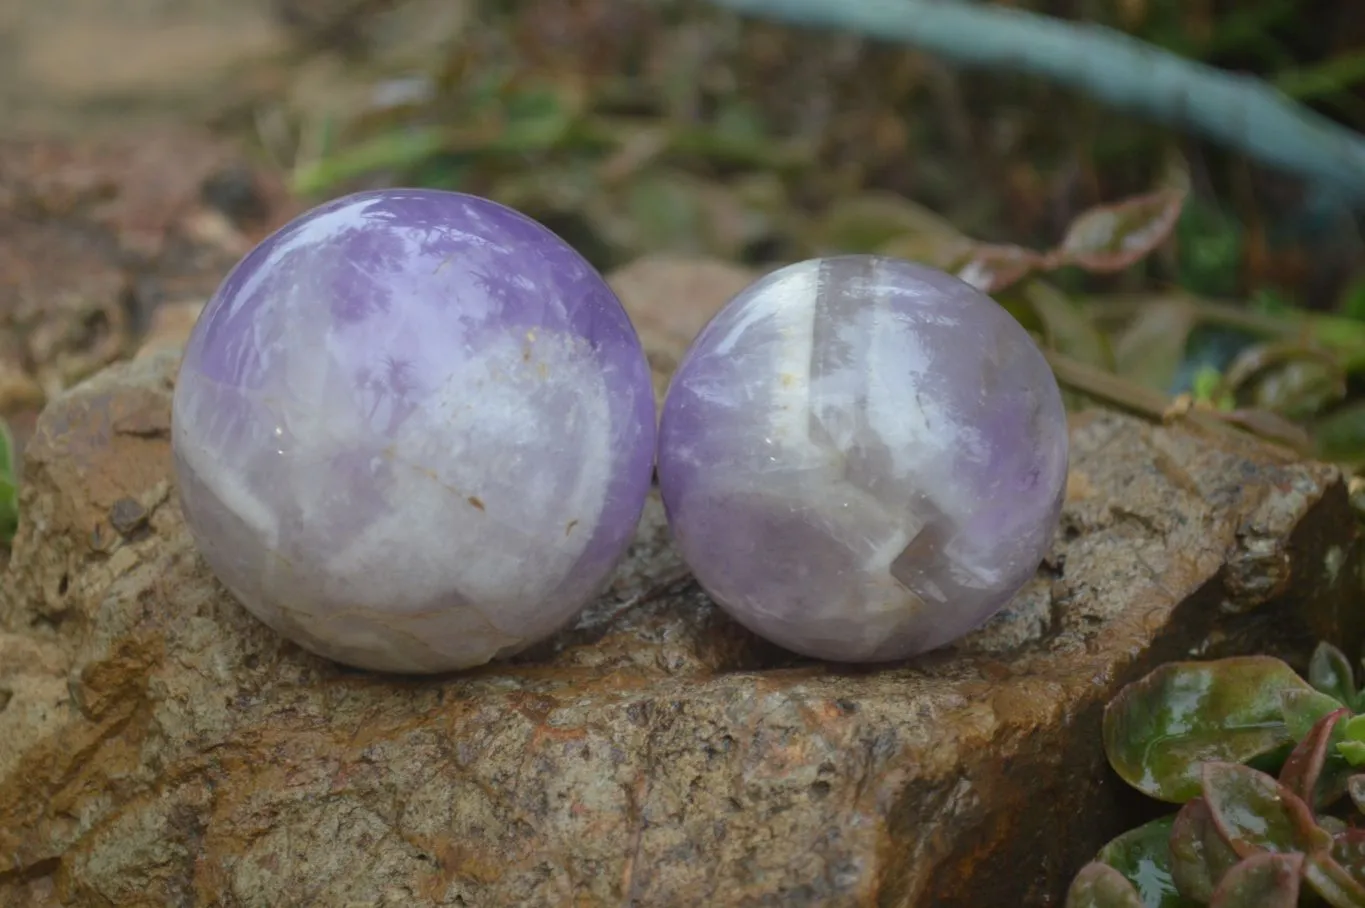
[1333, 882]
[1303, 767]
[1158, 730]
[1113, 237]
[1261, 881]
[1101, 886]
[1199, 855]
[1348, 850]
[990, 268]
[1255, 813]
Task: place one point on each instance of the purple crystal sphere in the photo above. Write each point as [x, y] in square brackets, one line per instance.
[862, 458]
[414, 431]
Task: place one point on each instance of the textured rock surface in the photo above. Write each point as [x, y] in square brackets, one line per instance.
[159, 746]
[81, 64]
[94, 235]
[670, 298]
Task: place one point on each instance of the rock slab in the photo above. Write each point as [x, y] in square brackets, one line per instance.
[158, 746]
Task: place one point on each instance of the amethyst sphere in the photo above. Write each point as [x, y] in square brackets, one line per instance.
[862, 458]
[414, 431]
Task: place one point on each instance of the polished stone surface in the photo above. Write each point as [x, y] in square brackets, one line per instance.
[862, 458]
[414, 431]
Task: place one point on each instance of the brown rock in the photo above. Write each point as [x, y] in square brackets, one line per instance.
[83, 64]
[97, 236]
[159, 746]
[670, 298]
[63, 309]
[170, 327]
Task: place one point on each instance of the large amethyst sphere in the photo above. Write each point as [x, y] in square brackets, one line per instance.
[414, 431]
[862, 458]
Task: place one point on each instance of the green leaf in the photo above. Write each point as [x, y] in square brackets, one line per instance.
[1261, 881]
[667, 208]
[1340, 435]
[1209, 345]
[742, 122]
[446, 171]
[869, 221]
[928, 245]
[1143, 856]
[397, 150]
[1158, 730]
[1206, 386]
[1330, 672]
[1342, 336]
[1101, 886]
[1152, 346]
[1199, 855]
[6, 451]
[1255, 813]
[1113, 237]
[1352, 752]
[536, 118]
[9, 489]
[1304, 707]
[1271, 301]
[1323, 78]
[1067, 327]
[1352, 301]
[1210, 243]
[1302, 772]
[1297, 388]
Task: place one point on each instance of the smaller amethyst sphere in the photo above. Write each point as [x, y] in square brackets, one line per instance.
[414, 431]
[863, 459]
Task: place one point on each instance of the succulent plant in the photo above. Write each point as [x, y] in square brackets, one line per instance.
[1264, 765]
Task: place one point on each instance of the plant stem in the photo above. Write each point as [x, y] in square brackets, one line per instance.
[1108, 388]
[1238, 111]
[1343, 336]
[1121, 394]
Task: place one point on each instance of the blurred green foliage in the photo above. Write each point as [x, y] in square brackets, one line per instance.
[9, 497]
[632, 128]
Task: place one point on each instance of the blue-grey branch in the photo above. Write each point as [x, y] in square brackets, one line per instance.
[1241, 112]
